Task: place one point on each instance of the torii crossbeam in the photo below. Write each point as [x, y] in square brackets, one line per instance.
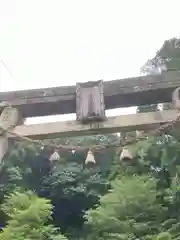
[89, 100]
[117, 93]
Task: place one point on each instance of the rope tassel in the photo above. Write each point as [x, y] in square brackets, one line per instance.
[126, 154]
[90, 158]
[54, 157]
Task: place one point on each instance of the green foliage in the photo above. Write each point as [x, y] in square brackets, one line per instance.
[71, 186]
[167, 58]
[141, 190]
[28, 215]
[129, 211]
[164, 236]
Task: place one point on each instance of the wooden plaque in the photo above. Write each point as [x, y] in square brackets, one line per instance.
[90, 102]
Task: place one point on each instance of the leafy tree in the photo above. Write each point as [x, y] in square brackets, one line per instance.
[167, 58]
[28, 216]
[163, 236]
[129, 211]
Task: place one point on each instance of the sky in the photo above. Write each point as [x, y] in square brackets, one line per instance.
[48, 43]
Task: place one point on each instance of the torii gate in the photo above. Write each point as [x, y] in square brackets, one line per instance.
[89, 101]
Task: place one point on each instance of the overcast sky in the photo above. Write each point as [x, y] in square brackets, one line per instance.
[58, 42]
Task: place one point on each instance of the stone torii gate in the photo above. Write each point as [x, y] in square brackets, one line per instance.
[89, 101]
